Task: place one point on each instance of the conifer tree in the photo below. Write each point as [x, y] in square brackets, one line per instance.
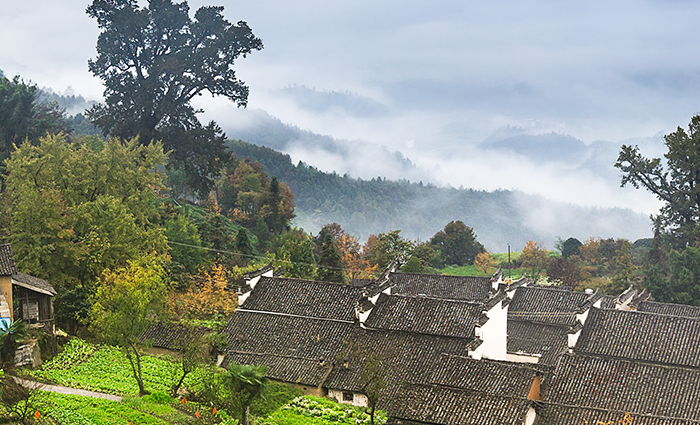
[331, 263]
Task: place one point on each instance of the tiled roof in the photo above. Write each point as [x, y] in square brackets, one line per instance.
[608, 301]
[548, 304]
[669, 309]
[441, 286]
[556, 414]
[641, 336]
[33, 283]
[283, 368]
[487, 376]
[7, 260]
[275, 337]
[626, 386]
[304, 298]
[550, 341]
[408, 357]
[434, 404]
[425, 315]
[172, 336]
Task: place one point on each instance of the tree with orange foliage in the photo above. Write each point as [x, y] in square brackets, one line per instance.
[356, 267]
[534, 258]
[484, 262]
[590, 250]
[208, 297]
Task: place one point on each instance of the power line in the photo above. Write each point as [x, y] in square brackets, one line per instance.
[260, 257]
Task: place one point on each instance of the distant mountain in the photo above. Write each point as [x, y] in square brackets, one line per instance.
[499, 218]
[343, 156]
[72, 103]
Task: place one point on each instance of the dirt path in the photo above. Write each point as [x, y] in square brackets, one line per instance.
[67, 390]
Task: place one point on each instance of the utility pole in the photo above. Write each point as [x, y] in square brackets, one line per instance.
[510, 266]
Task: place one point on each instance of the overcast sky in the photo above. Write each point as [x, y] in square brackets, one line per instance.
[436, 78]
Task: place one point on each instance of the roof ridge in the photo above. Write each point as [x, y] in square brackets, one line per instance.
[440, 275]
[274, 313]
[644, 415]
[667, 365]
[427, 297]
[320, 282]
[467, 390]
[649, 313]
[287, 356]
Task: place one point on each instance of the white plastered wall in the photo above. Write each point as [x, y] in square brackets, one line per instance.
[358, 399]
[494, 333]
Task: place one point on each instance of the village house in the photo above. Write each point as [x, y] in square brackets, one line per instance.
[551, 355]
[540, 319]
[27, 298]
[639, 363]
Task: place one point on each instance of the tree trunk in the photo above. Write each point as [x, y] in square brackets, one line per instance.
[176, 387]
[136, 368]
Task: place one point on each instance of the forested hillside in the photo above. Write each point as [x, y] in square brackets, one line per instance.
[364, 207]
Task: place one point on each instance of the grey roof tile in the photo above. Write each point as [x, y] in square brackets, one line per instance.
[557, 414]
[549, 341]
[172, 336]
[281, 339]
[641, 336]
[551, 305]
[626, 386]
[425, 315]
[33, 283]
[434, 404]
[469, 288]
[297, 370]
[304, 298]
[669, 309]
[7, 260]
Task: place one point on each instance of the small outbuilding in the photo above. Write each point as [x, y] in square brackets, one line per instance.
[24, 297]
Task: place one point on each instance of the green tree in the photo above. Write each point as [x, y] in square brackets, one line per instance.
[570, 247]
[683, 285]
[457, 244]
[331, 263]
[413, 265]
[154, 61]
[24, 116]
[297, 253]
[181, 231]
[247, 381]
[129, 301]
[193, 353]
[624, 269]
[73, 209]
[675, 181]
[388, 248]
[243, 246]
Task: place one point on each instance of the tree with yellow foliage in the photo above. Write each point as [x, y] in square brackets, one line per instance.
[208, 297]
[534, 258]
[484, 262]
[356, 267]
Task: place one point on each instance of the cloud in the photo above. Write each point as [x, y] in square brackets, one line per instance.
[432, 80]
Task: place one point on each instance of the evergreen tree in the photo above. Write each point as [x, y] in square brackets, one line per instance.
[297, 251]
[330, 263]
[243, 245]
